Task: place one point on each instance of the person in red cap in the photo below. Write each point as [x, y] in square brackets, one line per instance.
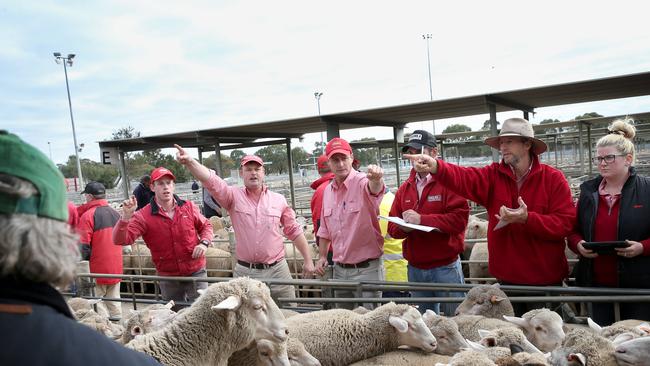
[349, 221]
[316, 202]
[259, 218]
[175, 232]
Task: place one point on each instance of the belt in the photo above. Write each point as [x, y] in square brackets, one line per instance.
[363, 264]
[258, 265]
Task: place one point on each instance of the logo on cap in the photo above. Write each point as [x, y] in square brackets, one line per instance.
[415, 136]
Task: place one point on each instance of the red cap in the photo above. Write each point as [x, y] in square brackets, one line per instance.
[321, 163]
[337, 146]
[254, 158]
[161, 172]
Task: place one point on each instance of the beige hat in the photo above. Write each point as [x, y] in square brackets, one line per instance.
[517, 127]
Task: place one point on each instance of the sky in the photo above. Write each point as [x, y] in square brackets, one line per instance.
[170, 66]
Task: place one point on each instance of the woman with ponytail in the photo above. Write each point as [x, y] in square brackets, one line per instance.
[615, 206]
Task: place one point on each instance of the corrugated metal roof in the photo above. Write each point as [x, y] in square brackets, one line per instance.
[524, 99]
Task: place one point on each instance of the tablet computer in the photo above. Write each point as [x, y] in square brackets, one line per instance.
[605, 247]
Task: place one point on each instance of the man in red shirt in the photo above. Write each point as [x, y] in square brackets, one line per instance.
[432, 256]
[175, 232]
[317, 199]
[529, 205]
[96, 237]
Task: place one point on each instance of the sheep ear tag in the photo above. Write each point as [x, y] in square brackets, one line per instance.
[230, 303]
[398, 323]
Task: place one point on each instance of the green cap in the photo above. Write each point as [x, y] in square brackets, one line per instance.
[24, 161]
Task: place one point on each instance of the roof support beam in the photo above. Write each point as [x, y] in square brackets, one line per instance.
[493, 129]
[358, 121]
[491, 99]
[291, 184]
[332, 131]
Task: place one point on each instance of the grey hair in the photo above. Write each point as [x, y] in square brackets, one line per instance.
[35, 248]
[621, 133]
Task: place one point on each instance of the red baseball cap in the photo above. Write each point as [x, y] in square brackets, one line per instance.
[321, 163]
[254, 158]
[161, 172]
[338, 146]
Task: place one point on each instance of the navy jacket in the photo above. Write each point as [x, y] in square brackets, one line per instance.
[37, 328]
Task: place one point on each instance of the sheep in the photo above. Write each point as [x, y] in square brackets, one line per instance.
[613, 331]
[227, 317]
[583, 345]
[101, 324]
[294, 257]
[493, 353]
[518, 357]
[479, 270]
[217, 223]
[476, 228]
[79, 303]
[264, 352]
[487, 300]
[468, 325]
[261, 353]
[543, 327]
[218, 263]
[361, 310]
[339, 337]
[147, 320]
[633, 352]
[504, 337]
[404, 357]
[288, 313]
[445, 330]
[469, 357]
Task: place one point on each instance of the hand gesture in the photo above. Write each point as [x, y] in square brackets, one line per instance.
[199, 251]
[511, 216]
[128, 208]
[422, 163]
[182, 156]
[321, 263]
[308, 269]
[587, 253]
[411, 217]
[374, 173]
[633, 250]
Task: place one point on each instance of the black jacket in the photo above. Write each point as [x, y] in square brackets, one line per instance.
[37, 328]
[633, 224]
[143, 195]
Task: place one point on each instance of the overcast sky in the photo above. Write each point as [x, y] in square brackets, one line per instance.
[169, 66]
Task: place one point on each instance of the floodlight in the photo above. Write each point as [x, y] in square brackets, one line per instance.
[57, 54]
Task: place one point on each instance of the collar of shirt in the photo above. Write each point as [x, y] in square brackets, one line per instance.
[163, 208]
[250, 193]
[335, 183]
[521, 179]
[609, 198]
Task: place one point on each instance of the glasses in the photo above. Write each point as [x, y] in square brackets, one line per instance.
[607, 158]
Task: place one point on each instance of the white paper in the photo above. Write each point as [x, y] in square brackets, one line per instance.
[399, 221]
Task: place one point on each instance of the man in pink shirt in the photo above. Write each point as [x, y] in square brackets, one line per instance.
[349, 221]
[259, 218]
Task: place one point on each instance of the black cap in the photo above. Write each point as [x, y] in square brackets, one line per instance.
[420, 138]
[94, 188]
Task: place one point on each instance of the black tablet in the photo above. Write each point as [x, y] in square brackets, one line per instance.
[605, 247]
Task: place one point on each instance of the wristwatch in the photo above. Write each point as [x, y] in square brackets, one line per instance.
[205, 242]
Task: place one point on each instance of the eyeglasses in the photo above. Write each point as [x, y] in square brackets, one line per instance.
[607, 158]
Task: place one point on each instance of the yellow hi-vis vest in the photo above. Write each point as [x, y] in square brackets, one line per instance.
[394, 262]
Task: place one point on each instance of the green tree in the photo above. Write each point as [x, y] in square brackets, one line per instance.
[91, 170]
[236, 155]
[277, 155]
[589, 115]
[457, 127]
[299, 156]
[319, 148]
[369, 155]
[127, 132]
[551, 130]
[227, 164]
[486, 125]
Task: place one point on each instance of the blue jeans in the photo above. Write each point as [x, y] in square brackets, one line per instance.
[450, 273]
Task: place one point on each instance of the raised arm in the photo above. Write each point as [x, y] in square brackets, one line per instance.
[198, 170]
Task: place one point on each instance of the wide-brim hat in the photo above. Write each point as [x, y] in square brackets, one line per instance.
[518, 127]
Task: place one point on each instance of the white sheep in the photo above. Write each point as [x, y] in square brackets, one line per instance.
[633, 352]
[446, 332]
[543, 327]
[469, 357]
[404, 357]
[487, 300]
[79, 303]
[468, 325]
[504, 337]
[613, 331]
[101, 324]
[519, 357]
[267, 353]
[479, 270]
[340, 337]
[147, 320]
[227, 317]
[585, 346]
[298, 354]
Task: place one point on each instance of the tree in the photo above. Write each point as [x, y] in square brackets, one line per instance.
[319, 148]
[486, 125]
[236, 155]
[459, 149]
[589, 115]
[551, 130]
[127, 132]
[227, 164]
[277, 154]
[91, 170]
[369, 155]
[456, 128]
[299, 156]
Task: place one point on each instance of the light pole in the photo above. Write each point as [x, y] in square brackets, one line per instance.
[49, 146]
[317, 95]
[427, 37]
[68, 60]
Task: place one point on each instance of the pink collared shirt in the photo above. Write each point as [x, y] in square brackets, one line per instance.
[257, 224]
[420, 183]
[349, 220]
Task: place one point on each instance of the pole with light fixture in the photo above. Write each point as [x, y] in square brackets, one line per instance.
[68, 60]
[427, 37]
[317, 95]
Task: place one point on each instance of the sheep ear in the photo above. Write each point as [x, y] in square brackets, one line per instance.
[231, 303]
[515, 348]
[171, 304]
[475, 346]
[593, 325]
[516, 320]
[529, 347]
[494, 299]
[623, 337]
[398, 323]
[579, 357]
[496, 285]
[429, 314]
[644, 327]
[484, 333]
[200, 291]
